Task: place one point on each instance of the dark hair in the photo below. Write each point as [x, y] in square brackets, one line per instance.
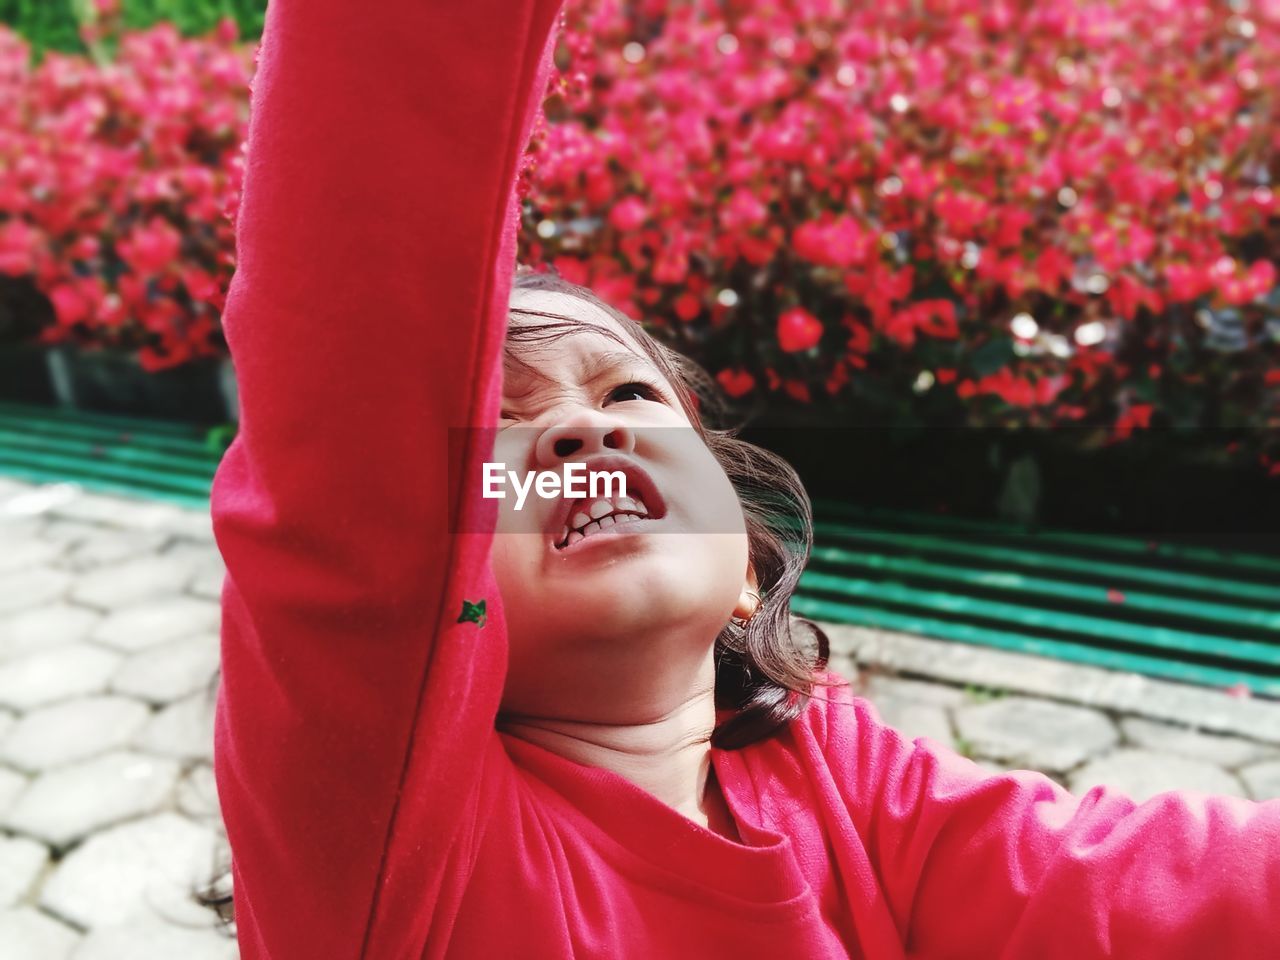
[764, 673]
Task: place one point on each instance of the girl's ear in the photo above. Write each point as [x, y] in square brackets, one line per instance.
[749, 599]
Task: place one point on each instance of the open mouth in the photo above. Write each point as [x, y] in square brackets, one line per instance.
[582, 518]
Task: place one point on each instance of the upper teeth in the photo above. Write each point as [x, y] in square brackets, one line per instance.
[598, 515]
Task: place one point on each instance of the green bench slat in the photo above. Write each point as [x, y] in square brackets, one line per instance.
[200, 464]
[33, 475]
[32, 413]
[1230, 562]
[1112, 574]
[1032, 618]
[861, 615]
[957, 578]
[73, 468]
[100, 435]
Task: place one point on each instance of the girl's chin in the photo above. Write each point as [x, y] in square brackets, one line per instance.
[634, 598]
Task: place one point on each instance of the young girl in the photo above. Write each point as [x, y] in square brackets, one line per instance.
[572, 738]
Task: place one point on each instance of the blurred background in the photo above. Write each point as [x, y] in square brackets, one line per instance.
[999, 278]
[967, 236]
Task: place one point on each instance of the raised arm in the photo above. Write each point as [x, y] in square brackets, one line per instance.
[1014, 867]
[375, 253]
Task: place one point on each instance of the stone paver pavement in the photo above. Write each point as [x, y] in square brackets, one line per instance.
[108, 652]
[109, 646]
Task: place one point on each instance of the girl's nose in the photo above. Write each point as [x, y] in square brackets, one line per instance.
[583, 433]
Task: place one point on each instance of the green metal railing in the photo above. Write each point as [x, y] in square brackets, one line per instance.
[1183, 612]
[135, 456]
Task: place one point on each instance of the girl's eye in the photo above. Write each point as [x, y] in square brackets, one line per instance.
[635, 389]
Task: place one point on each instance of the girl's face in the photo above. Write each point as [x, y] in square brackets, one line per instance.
[641, 592]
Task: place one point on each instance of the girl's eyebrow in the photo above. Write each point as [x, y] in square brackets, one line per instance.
[518, 383]
[610, 361]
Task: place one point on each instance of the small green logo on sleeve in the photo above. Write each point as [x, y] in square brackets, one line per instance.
[472, 613]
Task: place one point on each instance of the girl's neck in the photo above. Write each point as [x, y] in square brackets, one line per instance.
[667, 754]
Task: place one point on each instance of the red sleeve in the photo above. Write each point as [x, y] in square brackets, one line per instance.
[375, 255]
[1014, 866]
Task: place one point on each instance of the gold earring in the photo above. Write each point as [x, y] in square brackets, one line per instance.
[743, 621]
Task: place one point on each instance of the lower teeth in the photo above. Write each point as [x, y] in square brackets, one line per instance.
[596, 526]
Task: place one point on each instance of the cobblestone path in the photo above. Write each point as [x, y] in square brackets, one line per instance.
[108, 651]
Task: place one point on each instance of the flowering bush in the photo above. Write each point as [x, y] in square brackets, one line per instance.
[955, 212]
[116, 180]
[937, 211]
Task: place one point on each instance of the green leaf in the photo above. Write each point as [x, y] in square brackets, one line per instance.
[220, 437]
[992, 356]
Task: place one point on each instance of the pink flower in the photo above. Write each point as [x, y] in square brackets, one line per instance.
[1010, 224]
[797, 390]
[18, 246]
[1136, 417]
[798, 330]
[69, 305]
[840, 243]
[152, 248]
[846, 242]
[203, 287]
[736, 383]
[960, 212]
[1053, 268]
[743, 211]
[687, 307]
[628, 214]
[1186, 281]
[1239, 287]
[572, 269]
[671, 265]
